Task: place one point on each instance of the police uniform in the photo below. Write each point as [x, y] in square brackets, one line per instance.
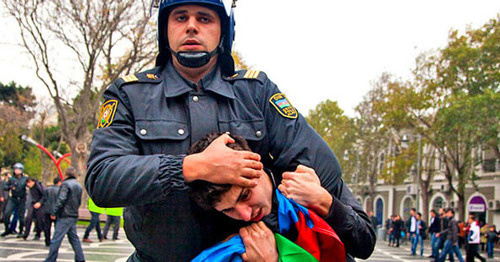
[148, 122]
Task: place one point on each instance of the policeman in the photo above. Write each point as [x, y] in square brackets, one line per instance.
[17, 187]
[150, 119]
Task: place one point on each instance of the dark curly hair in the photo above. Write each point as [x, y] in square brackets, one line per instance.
[206, 194]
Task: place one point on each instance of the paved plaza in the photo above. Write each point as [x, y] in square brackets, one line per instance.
[402, 253]
[16, 249]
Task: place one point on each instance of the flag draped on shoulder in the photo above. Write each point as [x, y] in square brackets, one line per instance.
[314, 234]
[316, 240]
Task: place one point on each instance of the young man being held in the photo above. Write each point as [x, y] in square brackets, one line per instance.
[264, 202]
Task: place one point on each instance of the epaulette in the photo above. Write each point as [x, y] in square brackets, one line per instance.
[248, 75]
[142, 77]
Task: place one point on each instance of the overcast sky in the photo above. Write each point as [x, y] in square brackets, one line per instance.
[317, 50]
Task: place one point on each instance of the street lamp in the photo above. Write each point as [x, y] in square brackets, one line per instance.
[404, 144]
[57, 162]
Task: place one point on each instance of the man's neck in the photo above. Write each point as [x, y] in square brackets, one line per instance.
[194, 74]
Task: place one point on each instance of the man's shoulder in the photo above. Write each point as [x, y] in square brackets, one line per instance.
[248, 75]
[151, 76]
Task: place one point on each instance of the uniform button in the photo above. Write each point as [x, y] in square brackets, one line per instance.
[195, 98]
[258, 133]
[143, 132]
[180, 131]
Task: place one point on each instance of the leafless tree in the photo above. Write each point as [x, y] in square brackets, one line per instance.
[79, 47]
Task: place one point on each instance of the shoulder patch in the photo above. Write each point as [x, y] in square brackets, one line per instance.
[107, 113]
[284, 107]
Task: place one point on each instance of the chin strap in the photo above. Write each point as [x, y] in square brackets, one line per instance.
[194, 59]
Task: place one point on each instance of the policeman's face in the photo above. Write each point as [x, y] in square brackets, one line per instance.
[30, 184]
[17, 171]
[193, 28]
[248, 204]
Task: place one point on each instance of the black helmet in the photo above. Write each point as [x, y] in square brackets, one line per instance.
[224, 9]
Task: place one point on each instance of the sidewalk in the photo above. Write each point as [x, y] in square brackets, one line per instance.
[385, 253]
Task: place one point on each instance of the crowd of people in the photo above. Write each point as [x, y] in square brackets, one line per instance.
[24, 201]
[447, 235]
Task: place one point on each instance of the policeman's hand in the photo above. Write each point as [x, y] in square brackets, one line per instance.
[220, 164]
[304, 187]
[259, 242]
[437, 235]
[1, 199]
[52, 217]
[37, 205]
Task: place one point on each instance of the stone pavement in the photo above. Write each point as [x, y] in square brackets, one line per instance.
[16, 249]
[402, 253]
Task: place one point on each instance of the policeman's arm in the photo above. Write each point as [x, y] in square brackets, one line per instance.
[292, 142]
[220, 164]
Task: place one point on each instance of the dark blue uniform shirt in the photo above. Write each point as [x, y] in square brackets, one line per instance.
[151, 120]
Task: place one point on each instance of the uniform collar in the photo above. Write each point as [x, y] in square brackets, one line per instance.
[175, 85]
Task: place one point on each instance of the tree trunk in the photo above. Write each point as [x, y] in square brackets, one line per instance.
[79, 157]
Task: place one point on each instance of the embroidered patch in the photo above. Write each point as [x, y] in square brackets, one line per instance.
[107, 113]
[283, 106]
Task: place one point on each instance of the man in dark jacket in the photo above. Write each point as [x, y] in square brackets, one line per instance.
[4, 194]
[50, 200]
[17, 200]
[434, 228]
[66, 210]
[35, 208]
[451, 243]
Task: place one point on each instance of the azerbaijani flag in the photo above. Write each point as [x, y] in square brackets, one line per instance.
[316, 240]
[314, 234]
[282, 103]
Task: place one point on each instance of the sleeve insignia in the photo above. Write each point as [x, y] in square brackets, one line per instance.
[130, 78]
[107, 113]
[281, 103]
[251, 74]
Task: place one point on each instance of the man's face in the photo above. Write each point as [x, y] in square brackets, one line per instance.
[30, 183]
[471, 219]
[433, 214]
[248, 204]
[17, 171]
[412, 212]
[193, 28]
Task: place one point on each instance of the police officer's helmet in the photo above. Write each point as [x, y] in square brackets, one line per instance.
[225, 10]
[19, 166]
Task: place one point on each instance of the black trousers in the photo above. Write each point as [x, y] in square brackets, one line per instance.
[39, 223]
[473, 251]
[47, 227]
